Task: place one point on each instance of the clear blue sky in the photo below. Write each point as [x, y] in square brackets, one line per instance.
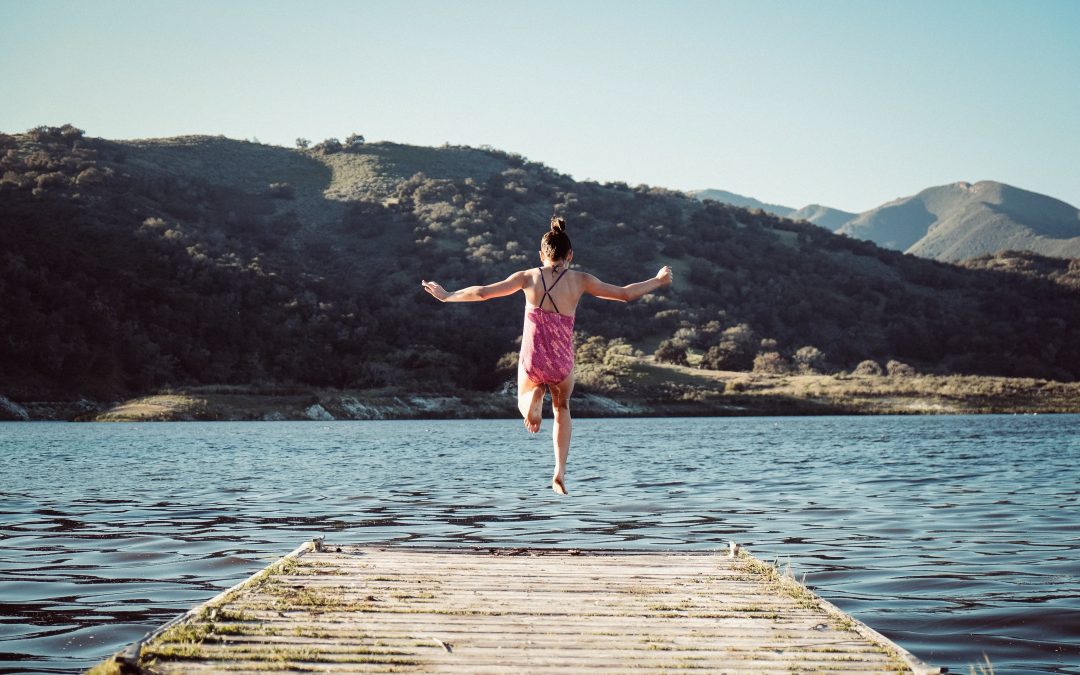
[845, 103]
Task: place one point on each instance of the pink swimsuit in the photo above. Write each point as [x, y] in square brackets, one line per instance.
[547, 341]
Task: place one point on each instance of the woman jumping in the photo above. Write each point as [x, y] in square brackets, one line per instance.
[547, 342]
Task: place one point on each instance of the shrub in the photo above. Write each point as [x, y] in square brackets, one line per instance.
[15, 180]
[52, 179]
[711, 332]
[713, 358]
[735, 351]
[303, 143]
[595, 377]
[592, 350]
[868, 367]
[672, 351]
[809, 360]
[328, 147]
[725, 356]
[899, 369]
[688, 334]
[617, 352]
[70, 133]
[354, 141]
[90, 176]
[66, 134]
[507, 364]
[771, 363]
[666, 319]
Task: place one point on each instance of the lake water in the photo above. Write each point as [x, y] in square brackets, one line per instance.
[955, 536]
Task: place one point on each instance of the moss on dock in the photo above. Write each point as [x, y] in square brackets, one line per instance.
[784, 582]
[660, 611]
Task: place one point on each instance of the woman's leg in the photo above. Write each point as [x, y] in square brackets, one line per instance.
[530, 400]
[560, 436]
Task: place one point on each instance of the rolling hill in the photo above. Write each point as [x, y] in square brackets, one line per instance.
[126, 266]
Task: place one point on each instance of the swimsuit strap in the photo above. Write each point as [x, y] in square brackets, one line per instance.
[547, 290]
[561, 274]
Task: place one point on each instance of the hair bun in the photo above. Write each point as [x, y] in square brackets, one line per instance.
[558, 224]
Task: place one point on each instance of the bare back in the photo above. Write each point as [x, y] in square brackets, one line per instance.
[565, 289]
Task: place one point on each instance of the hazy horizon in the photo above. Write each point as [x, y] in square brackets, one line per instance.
[840, 103]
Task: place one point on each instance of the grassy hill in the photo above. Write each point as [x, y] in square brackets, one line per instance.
[126, 267]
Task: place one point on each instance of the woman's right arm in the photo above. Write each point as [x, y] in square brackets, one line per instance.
[606, 291]
[512, 284]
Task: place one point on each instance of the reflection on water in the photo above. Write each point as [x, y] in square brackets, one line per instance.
[955, 536]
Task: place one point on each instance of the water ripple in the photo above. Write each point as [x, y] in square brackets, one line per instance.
[955, 536]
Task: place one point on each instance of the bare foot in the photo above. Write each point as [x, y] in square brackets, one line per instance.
[557, 485]
[532, 422]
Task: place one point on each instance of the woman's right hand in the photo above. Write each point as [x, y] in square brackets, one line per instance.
[664, 276]
[435, 290]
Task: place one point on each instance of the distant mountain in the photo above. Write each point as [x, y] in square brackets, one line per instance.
[725, 197]
[949, 222]
[823, 216]
[964, 220]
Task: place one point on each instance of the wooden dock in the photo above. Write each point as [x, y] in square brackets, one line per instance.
[400, 609]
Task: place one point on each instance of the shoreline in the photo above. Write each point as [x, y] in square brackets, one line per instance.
[709, 394]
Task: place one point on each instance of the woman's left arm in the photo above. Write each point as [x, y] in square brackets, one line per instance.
[512, 284]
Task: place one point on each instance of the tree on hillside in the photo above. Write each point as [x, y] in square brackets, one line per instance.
[65, 134]
[161, 275]
[899, 369]
[771, 363]
[735, 350]
[329, 146]
[302, 143]
[868, 367]
[809, 360]
[672, 351]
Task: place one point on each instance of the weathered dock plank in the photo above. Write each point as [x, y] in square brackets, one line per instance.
[400, 609]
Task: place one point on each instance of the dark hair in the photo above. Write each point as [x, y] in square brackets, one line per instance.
[556, 245]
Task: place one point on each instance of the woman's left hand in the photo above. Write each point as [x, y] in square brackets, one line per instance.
[435, 290]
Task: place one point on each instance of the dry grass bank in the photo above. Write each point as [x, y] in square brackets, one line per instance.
[865, 394]
[640, 388]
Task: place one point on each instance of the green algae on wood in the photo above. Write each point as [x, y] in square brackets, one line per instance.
[360, 608]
